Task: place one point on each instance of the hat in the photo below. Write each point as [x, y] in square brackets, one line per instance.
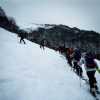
[83, 54]
[66, 46]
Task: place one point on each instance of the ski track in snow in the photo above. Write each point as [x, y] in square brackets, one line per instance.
[30, 73]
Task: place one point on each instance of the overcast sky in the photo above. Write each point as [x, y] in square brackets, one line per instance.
[83, 14]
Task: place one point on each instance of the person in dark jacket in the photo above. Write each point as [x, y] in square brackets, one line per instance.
[62, 49]
[66, 49]
[77, 67]
[90, 71]
[42, 45]
[22, 38]
[68, 57]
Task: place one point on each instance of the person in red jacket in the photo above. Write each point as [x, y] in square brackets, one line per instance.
[59, 48]
[42, 45]
[22, 38]
[68, 57]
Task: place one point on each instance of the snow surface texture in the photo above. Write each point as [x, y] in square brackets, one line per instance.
[30, 73]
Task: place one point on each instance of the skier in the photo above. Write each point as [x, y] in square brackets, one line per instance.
[76, 56]
[59, 48]
[90, 66]
[66, 49]
[69, 58]
[42, 44]
[22, 38]
[62, 49]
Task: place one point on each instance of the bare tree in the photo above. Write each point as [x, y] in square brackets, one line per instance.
[2, 12]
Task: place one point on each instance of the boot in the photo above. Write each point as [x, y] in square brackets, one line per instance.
[95, 86]
[93, 91]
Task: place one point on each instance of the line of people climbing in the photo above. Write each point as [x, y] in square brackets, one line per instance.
[78, 58]
[62, 49]
[75, 56]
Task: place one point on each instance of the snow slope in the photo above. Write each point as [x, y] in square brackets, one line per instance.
[30, 73]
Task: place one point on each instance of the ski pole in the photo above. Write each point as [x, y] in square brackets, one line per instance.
[79, 76]
[17, 37]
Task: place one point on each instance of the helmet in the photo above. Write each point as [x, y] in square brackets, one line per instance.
[66, 47]
[83, 54]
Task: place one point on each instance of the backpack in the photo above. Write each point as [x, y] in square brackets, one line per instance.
[58, 47]
[70, 52]
[22, 36]
[77, 55]
[90, 60]
[42, 43]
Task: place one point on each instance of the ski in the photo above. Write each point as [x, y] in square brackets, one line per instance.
[97, 91]
[75, 72]
[96, 98]
[87, 83]
[84, 79]
[94, 95]
[81, 77]
[21, 43]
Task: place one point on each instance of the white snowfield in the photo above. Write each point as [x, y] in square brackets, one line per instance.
[30, 73]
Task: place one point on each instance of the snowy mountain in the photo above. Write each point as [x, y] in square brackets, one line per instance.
[32, 26]
[30, 73]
